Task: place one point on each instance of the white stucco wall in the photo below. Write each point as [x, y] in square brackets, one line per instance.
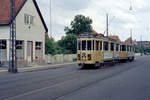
[4, 32]
[36, 32]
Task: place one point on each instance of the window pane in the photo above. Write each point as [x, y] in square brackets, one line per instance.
[3, 44]
[106, 46]
[93, 45]
[100, 45]
[123, 47]
[84, 45]
[19, 44]
[112, 46]
[117, 47]
[97, 45]
[89, 44]
[38, 45]
[79, 45]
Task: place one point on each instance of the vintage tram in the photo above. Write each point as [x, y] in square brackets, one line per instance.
[95, 50]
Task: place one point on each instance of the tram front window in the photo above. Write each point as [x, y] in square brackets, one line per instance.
[83, 45]
[89, 45]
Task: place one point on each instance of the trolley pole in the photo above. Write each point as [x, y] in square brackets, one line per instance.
[12, 56]
[107, 22]
[131, 35]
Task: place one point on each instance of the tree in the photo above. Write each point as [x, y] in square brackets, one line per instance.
[49, 45]
[69, 44]
[80, 24]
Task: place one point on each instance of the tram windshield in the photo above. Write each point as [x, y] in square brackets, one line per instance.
[84, 45]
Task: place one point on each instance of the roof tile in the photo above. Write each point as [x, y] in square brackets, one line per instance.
[5, 10]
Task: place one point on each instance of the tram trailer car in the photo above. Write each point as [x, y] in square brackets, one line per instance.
[96, 50]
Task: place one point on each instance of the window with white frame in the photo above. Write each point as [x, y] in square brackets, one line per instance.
[28, 19]
[38, 45]
[3, 44]
[19, 49]
[38, 50]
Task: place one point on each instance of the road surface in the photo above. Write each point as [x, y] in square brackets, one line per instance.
[125, 81]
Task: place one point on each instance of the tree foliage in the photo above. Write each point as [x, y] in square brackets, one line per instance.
[49, 45]
[80, 24]
[68, 43]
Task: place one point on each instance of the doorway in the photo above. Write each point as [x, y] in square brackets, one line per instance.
[30, 51]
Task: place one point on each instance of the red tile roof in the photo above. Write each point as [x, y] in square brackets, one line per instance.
[96, 33]
[115, 37]
[5, 10]
[129, 41]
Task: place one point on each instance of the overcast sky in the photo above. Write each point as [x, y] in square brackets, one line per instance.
[121, 18]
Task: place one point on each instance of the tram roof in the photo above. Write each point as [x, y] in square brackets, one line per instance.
[98, 36]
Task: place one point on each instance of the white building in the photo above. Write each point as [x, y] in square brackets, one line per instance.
[30, 31]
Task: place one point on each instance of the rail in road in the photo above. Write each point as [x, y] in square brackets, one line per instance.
[57, 83]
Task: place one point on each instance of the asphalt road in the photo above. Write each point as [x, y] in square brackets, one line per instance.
[125, 81]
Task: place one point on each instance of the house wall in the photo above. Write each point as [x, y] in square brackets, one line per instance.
[35, 32]
[5, 34]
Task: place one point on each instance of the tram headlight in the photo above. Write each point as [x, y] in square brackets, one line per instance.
[89, 57]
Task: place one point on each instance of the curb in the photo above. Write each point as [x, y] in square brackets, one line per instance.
[46, 67]
[40, 68]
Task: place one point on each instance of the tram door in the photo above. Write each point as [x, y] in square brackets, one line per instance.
[30, 51]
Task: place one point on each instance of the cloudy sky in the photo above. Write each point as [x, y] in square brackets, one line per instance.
[121, 18]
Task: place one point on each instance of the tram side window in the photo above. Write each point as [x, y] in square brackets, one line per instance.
[93, 45]
[83, 45]
[106, 46]
[100, 45]
[112, 46]
[89, 44]
[117, 47]
[123, 47]
[120, 47]
[97, 45]
[79, 45]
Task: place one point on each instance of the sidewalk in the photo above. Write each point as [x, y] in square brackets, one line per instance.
[39, 67]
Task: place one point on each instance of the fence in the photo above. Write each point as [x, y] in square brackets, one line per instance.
[60, 58]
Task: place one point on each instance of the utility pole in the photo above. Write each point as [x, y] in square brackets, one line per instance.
[12, 56]
[50, 18]
[107, 22]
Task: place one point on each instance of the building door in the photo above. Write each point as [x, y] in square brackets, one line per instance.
[30, 51]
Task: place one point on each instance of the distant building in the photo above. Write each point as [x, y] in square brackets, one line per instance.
[130, 41]
[115, 37]
[30, 31]
[144, 43]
